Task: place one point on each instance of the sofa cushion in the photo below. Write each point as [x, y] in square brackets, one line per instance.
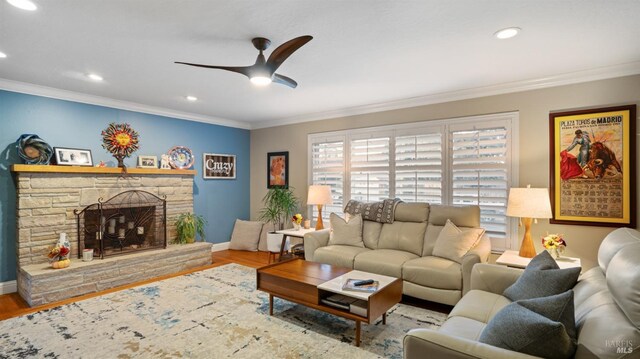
[371, 233]
[542, 278]
[245, 236]
[462, 327]
[404, 236]
[338, 255]
[542, 327]
[462, 216]
[623, 281]
[433, 272]
[454, 243]
[412, 212]
[383, 261]
[614, 242]
[346, 233]
[479, 305]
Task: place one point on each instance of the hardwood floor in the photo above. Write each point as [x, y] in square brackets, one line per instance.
[12, 305]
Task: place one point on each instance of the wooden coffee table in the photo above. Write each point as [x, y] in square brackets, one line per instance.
[306, 283]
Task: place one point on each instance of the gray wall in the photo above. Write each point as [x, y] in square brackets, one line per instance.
[534, 107]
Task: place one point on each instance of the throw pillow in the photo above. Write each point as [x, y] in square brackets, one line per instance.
[543, 327]
[348, 233]
[454, 243]
[542, 278]
[245, 236]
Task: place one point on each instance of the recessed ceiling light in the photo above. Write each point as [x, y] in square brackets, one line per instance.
[192, 98]
[3, 55]
[23, 4]
[95, 77]
[507, 33]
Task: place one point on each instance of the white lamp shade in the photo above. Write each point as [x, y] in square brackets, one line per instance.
[319, 194]
[529, 203]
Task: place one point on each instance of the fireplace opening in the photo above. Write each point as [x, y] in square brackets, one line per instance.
[129, 222]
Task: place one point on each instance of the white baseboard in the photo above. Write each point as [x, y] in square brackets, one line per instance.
[220, 247]
[8, 287]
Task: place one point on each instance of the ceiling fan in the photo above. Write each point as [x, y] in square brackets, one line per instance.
[264, 72]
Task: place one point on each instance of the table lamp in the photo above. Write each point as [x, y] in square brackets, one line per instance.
[319, 195]
[528, 203]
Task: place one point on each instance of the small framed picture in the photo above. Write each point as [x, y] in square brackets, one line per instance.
[147, 161]
[72, 157]
[278, 169]
[218, 166]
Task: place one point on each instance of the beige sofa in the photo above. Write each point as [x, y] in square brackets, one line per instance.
[606, 299]
[403, 249]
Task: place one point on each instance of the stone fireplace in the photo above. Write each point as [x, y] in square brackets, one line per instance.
[56, 199]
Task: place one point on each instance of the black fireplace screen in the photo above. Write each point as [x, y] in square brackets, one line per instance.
[128, 222]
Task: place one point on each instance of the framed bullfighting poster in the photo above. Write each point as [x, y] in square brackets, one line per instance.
[593, 166]
[278, 169]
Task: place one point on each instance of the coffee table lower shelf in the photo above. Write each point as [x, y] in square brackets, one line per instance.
[297, 280]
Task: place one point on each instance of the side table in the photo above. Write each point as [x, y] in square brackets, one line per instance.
[297, 233]
[512, 259]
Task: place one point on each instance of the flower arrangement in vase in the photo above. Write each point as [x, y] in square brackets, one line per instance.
[555, 244]
[297, 220]
[59, 253]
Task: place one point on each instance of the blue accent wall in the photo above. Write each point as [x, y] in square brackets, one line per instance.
[76, 125]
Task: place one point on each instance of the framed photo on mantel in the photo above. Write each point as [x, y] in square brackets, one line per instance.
[592, 166]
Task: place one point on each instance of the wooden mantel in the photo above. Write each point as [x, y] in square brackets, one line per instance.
[98, 170]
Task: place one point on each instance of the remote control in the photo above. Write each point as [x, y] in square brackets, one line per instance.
[363, 282]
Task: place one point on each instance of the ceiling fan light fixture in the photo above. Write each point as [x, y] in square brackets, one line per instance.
[3, 55]
[23, 4]
[191, 98]
[507, 33]
[260, 80]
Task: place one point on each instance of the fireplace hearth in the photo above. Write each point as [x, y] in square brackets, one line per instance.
[129, 222]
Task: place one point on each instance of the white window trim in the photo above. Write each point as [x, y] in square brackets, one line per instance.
[445, 126]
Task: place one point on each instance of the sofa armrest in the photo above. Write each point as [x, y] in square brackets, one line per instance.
[428, 343]
[313, 241]
[478, 254]
[493, 278]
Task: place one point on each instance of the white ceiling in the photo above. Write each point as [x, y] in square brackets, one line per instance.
[364, 55]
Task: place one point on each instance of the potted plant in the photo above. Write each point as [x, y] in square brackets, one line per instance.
[279, 205]
[188, 225]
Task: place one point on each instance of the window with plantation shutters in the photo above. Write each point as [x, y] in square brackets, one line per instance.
[369, 163]
[418, 164]
[463, 161]
[480, 164]
[327, 158]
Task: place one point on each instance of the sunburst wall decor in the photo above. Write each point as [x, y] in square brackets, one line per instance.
[120, 140]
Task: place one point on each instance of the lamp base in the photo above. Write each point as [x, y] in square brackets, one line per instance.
[319, 224]
[527, 250]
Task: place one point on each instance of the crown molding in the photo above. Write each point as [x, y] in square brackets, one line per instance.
[44, 91]
[601, 73]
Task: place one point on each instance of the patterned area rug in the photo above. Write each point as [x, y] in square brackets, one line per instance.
[215, 313]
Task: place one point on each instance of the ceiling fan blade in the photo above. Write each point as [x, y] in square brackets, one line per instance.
[239, 69]
[280, 54]
[284, 80]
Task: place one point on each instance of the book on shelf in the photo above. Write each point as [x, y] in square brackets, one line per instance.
[367, 288]
[353, 305]
[338, 301]
[359, 307]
